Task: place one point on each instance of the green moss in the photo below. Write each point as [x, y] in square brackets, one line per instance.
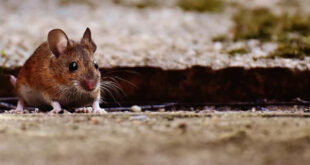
[297, 24]
[299, 48]
[5, 58]
[2, 53]
[83, 2]
[220, 38]
[288, 30]
[138, 4]
[202, 5]
[262, 24]
[254, 24]
[144, 4]
[238, 51]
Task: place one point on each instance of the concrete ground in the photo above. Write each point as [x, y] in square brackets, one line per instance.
[154, 138]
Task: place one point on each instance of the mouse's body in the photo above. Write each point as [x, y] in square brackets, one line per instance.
[60, 73]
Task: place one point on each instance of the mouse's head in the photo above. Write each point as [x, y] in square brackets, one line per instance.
[74, 62]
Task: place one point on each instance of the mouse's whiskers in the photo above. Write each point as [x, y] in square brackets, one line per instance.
[112, 89]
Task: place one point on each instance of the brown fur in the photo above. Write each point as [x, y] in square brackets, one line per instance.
[45, 77]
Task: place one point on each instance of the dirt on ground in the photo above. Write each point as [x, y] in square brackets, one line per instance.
[156, 138]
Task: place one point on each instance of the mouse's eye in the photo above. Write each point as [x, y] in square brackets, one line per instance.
[96, 65]
[73, 66]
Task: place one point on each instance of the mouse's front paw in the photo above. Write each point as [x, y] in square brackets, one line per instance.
[99, 110]
[83, 110]
[54, 111]
[56, 108]
[19, 111]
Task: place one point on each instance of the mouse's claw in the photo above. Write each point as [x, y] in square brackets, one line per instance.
[54, 111]
[100, 111]
[83, 110]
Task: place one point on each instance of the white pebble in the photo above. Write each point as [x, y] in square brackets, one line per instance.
[136, 108]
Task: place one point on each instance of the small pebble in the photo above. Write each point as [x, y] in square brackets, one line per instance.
[136, 122]
[93, 120]
[136, 108]
[75, 127]
[36, 110]
[307, 110]
[139, 118]
[118, 120]
[23, 127]
[182, 125]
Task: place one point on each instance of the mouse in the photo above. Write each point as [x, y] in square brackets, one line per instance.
[61, 73]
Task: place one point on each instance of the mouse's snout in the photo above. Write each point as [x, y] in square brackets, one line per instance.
[89, 84]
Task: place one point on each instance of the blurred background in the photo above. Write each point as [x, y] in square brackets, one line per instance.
[173, 34]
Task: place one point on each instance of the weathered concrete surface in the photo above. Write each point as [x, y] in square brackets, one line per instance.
[155, 139]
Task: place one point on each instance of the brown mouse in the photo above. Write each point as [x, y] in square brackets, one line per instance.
[60, 73]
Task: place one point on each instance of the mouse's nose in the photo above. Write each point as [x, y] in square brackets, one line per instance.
[89, 84]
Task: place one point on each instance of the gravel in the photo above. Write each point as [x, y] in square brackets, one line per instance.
[163, 36]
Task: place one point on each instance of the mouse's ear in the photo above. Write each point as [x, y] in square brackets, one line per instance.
[87, 41]
[58, 41]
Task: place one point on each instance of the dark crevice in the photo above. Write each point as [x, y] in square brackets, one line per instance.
[147, 85]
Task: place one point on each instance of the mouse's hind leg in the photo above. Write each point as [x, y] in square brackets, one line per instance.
[20, 103]
[13, 80]
[19, 108]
